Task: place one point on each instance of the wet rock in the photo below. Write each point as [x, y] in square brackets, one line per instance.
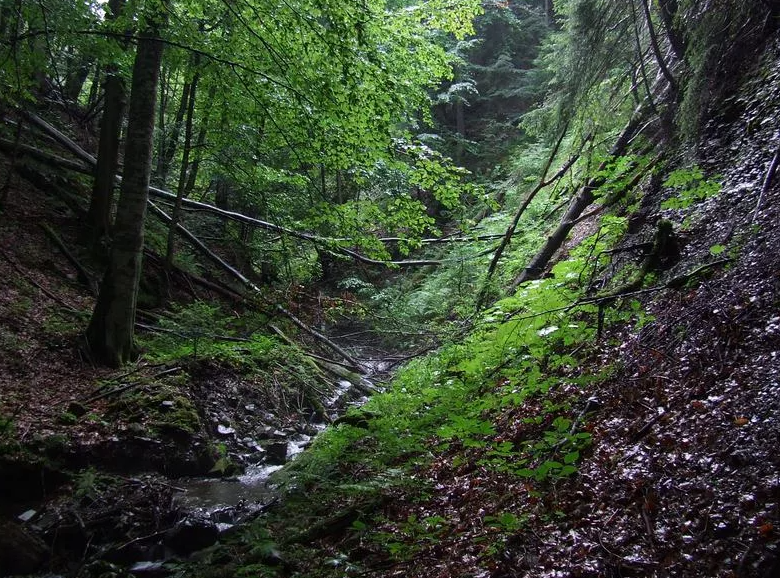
[276, 453]
[76, 409]
[136, 428]
[225, 430]
[148, 568]
[27, 516]
[20, 552]
[265, 432]
[191, 535]
[257, 456]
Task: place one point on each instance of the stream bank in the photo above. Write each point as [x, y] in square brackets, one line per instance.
[165, 467]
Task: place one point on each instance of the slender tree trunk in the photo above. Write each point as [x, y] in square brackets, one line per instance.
[98, 223]
[181, 188]
[549, 12]
[536, 267]
[162, 127]
[667, 9]
[200, 143]
[75, 78]
[656, 47]
[168, 150]
[94, 89]
[110, 331]
[460, 124]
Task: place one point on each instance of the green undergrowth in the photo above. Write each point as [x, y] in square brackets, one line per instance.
[510, 399]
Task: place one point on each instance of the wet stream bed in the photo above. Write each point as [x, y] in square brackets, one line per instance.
[231, 500]
[137, 501]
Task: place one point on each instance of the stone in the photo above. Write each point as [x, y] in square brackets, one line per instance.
[148, 568]
[76, 409]
[276, 453]
[191, 535]
[225, 430]
[20, 552]
[256, 457]
[27, 516]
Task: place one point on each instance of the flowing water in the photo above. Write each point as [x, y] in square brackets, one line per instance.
[228, 500]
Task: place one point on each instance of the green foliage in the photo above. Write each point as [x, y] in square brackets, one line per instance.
[89, 483]
[202, 329]
[7, 433]
[690, 187]
[507, 522]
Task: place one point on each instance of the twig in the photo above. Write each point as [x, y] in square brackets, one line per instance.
[770, 173]
[648, 525]
[601, 535]
[142, 539]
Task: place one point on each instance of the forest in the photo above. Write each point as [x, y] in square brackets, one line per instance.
[374, 288]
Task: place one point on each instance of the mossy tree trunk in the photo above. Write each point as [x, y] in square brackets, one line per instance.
[110, 331]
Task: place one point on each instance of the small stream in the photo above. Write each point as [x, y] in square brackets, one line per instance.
[227, 501]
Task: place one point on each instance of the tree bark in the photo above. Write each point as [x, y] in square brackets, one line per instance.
[110, 331]
[656, 47]
[667, 9]
[98, 225]
[75, 78]
[181, 188]
[168, 150]
[200, 143]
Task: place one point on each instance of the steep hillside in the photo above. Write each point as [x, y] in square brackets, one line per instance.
[643, 448]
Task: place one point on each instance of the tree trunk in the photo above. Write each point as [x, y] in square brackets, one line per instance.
[94, 92]
[75, 78]
[659, 57]
[181, 188]
[199, 144]
[98, 222]
[460, 123]
[549, 12]
[168, 150]
[537, 265]
[110, 331]
[667, 9]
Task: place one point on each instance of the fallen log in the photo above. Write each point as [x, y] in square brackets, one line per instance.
[244, 280]
[581, 202]
[83, 155]
[507, 237]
